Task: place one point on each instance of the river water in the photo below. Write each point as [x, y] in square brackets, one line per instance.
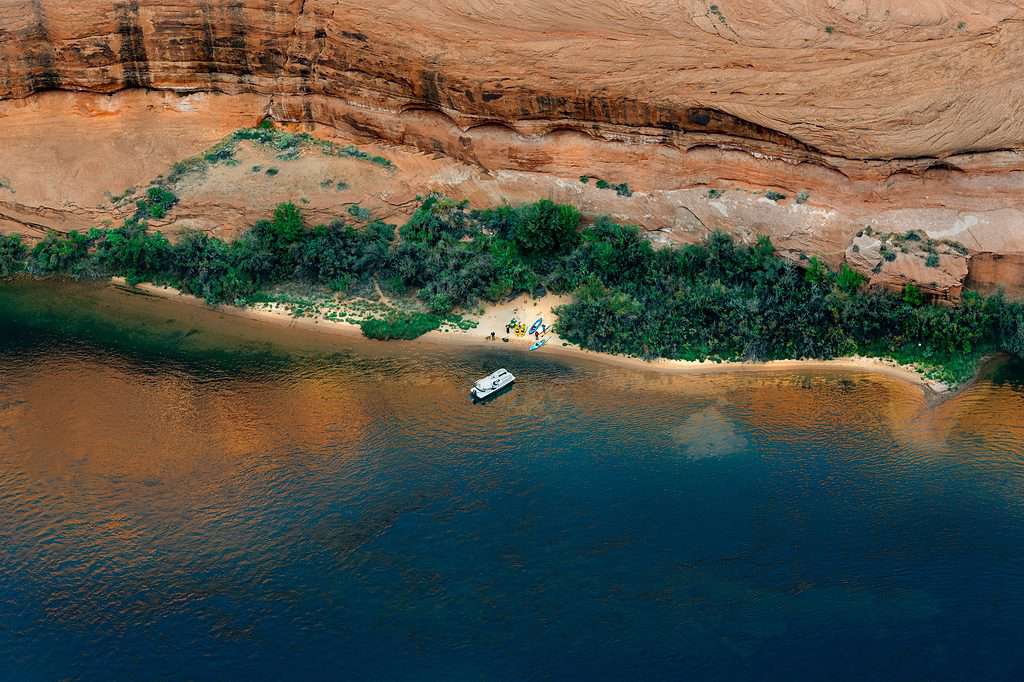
[185, 495]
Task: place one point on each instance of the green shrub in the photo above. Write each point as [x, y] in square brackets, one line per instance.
[360, 213]
[224, 151]
[775, 196]
[912, 296]
[12, 255]
[715, 193]
[817, 272]
[393, 285]
[157, 203]
[203, 266]
[802, 197]
[287, 224]
[440, 304]
[64, 254]
[196, 164]
[932, 261]
[547, 228]
[848, 279]
[338, 252]
[622, 189]
[400, 326]
[437, 218]
[132, 252]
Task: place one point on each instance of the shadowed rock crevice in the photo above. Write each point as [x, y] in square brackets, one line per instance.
[132, 55]
[39, 59]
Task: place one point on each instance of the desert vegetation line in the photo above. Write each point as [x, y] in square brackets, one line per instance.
[717, 300]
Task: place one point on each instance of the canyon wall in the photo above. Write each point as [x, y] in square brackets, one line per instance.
[880, 116]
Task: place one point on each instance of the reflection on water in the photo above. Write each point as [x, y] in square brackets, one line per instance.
[187, 495]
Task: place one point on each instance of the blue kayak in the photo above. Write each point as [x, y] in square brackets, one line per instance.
[535, 327]
[538, 344]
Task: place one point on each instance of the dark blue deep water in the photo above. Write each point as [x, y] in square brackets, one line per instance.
[190, 496]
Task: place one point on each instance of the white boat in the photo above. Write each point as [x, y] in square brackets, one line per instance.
[491, 384]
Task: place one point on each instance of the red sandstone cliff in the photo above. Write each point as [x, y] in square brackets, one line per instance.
[898, 115]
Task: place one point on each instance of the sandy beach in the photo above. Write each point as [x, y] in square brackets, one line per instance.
[496, 316]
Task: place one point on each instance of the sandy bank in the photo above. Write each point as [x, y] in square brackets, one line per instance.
[495, 317]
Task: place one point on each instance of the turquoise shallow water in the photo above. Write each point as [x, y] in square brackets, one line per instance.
[189, 496]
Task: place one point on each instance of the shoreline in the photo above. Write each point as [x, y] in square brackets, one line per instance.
[934, 391]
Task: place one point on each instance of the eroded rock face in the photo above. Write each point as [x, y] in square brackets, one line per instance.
[900, 115]
[855, 78]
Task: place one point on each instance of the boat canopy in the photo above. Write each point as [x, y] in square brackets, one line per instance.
[489, 381]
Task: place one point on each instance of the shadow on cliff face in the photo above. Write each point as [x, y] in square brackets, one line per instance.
[132, 54]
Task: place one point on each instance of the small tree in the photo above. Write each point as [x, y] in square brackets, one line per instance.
[912, 295]
[817, 272]
[848, 279]
[287, 223]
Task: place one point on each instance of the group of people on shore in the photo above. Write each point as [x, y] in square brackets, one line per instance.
[519, 328]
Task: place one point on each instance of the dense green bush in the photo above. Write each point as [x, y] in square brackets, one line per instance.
[848, 279]
[912, 296]
[157, 203]
[721, 300]
[59, 253]
[12, 255]
[203, 266]
[1011, 329]
[545, 228]
[400, 326]
[717, 299]
[437, 218]
[338, 253]
[133, 252]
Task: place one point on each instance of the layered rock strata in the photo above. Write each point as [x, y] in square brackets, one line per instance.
[898, 116]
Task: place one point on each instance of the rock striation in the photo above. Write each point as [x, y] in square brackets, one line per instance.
[898, 115]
